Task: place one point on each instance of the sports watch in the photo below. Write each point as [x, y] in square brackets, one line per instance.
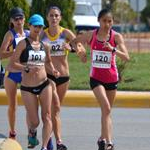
[114, 50]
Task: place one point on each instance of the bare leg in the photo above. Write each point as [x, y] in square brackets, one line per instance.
[56, 115]
[111, 97]
[61, 91]
[105, 98]
[11, 91]
[31, 104]
[45, 100]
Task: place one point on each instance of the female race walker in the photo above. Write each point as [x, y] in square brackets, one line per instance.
[30, 58]
[105, 44]
[13, 76]
[58, 37]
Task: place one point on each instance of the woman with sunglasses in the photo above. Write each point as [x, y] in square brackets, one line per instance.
[105, 44]
[13, 76]
[30, 58]
[58, 37]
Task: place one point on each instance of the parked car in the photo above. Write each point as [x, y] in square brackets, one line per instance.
[85, 17]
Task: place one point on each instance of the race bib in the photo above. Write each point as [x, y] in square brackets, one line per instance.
[18, 39]
[56, 48]
[101, 59]
[36, 58]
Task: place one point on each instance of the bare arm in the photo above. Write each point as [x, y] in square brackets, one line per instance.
[15, 59]
[84, 37]
[69, 35]
[78, 48]
[5, 50]
[79, 41]
[121, 49]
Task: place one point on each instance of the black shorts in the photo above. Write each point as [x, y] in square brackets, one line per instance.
[35, 90]
[108, 86]
[59, 80]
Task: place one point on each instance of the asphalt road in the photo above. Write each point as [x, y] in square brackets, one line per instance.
[81, 128]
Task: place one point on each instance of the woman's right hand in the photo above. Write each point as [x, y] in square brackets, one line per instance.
[81, 52]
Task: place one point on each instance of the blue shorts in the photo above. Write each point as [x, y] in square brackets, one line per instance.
[14, 76]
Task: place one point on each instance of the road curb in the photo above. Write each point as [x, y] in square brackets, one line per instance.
[83, 98]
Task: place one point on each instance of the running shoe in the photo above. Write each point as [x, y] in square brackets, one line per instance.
[12, 135]
[32, 139]
[43, 148]
[110, 147]
[50, 145]
[61, 147]
[101, 144]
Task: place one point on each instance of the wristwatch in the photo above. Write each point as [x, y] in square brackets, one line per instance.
[114, 50]
[27, 69]
[72, 49]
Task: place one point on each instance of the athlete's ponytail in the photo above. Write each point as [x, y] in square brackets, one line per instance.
[11, 25]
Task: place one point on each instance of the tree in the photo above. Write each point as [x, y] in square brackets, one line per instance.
[5, 6]
[37, 6]
[122, 12]
[66, 6]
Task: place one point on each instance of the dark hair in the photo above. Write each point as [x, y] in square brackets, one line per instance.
[11, 25]
[52, 7]
[103, 12]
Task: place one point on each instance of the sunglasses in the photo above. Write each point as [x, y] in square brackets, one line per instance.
[18, 18]
[37, 26]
